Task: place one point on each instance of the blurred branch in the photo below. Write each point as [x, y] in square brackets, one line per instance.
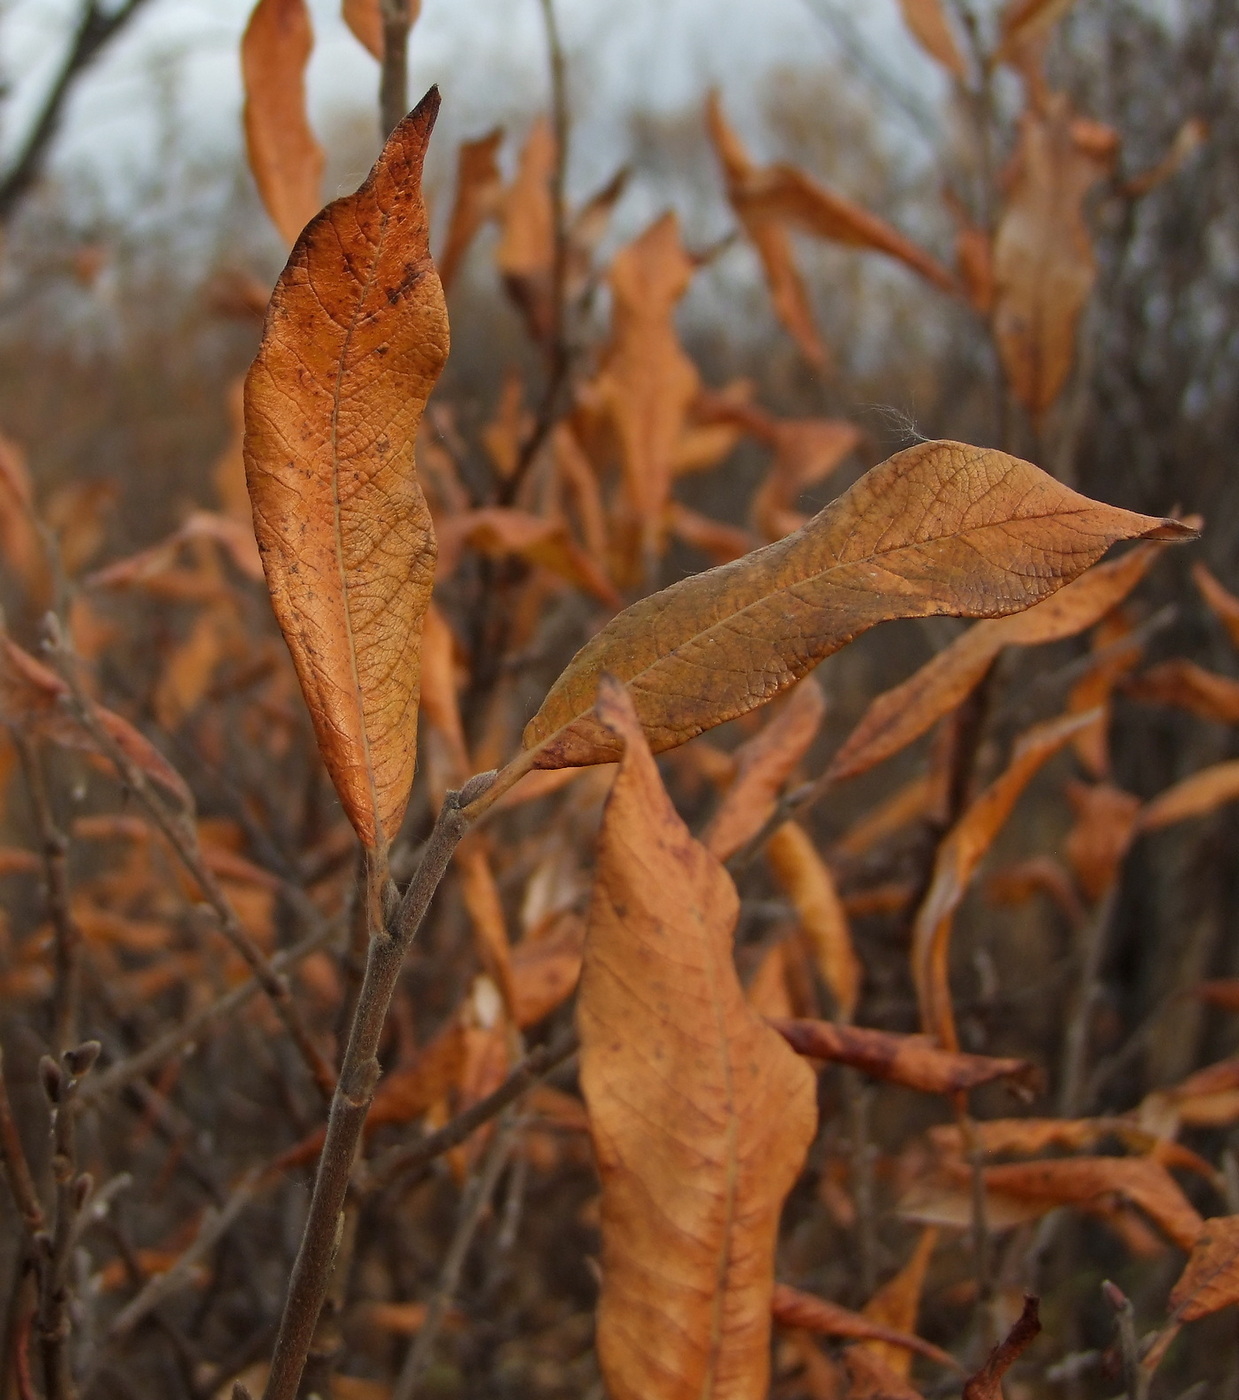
[394, 77]
[95, 28]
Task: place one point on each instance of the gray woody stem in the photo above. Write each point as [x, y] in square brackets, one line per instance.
[358, 1077]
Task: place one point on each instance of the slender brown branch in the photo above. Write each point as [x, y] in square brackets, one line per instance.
[215, 1225]
[143, 1061]
[182, 836]
[16, 1167]
[54, 852]
[1094, 937]
[394, 74]
[400, 1161]
[359, 1075]
[473, 1207]
[1135, 1377]
[96, 26]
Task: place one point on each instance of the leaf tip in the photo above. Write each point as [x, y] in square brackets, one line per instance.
[1176, 531]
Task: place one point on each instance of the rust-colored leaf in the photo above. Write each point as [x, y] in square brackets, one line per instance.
[718, 541]
[498, 531]
[1187, 686]
[353, 342]
[823, 920]
[900, 715]
[1106, 820]
[1025, 20]
[365, 19]
[897, 1303]
[911, 1060]
[1044, 265]
[940, 528]
[792, 1308]
[700, 1114]
[1221, 601]
[1194, 796]
[763, 764]
[957, 859]
[479, 191]
[20, 546]
[871, 1379]
[769, 238]
[36, 698]
[284, 155]
[986, 1384]
[526, 251]
[1087, 1182]
[787, 196]
[647, 384]
[928, 22]
[1210, 1280]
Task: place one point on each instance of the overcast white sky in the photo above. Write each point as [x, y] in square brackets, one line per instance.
[488, 56]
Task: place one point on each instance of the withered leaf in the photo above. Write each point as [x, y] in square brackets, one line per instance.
[700, 1114]
[526, 252]
[792, 1308]
[1106, 820]
[1222, 602]
[810, 886]
[1194, 796]
[911, 1060]
[1187, 686]
[769, 238]
[902, 714]
[479, 188]
[897, 1303]
[939, 528]
[1210, 1280]
[647, 383]
[956, 861]
[1025, 20]
[284, 155]
[1044, 265]
[986, 1384]
[354, 340]
[763, 764]
[1187, 140]
[35, 697]
[1086, 1182]
[928, 22]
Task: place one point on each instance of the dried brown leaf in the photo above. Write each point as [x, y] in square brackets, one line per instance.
[700, 1115]
[353, 342]
[1187, 141]
[900, 715]
[284, 155]
[897, 1303]
[810, 886]
[911, 1060]
[1106, 820]
[479, 190]
[1195, 796]
[928, 22]
[1044, 265]
[1025, 20]
[940, 528]
[792, 1308]
[1222, 602]
[957, 858]
[526, 252]
[1087, 1182]
[1210, 1280]
[763, 764]
[1187, 686]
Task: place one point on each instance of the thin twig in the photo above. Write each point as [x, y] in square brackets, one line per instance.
[142, 1062]
[1079, 1022]
[181, 834]
[473, 1207]
[16, 1167]
[215, 1225]
[359, 1075]
[394, 75]
[96, 26]
[400, 1161]
[558, 351]
[1135, 1377]
[54, 853]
